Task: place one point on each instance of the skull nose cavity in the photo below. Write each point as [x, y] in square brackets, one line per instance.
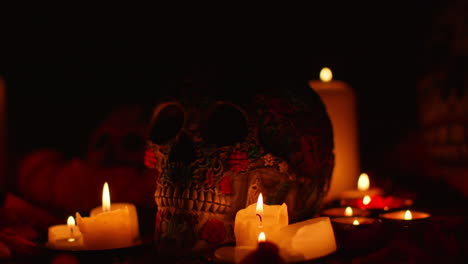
[183, 151]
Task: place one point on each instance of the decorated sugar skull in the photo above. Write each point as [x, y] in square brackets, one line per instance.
[213, 155]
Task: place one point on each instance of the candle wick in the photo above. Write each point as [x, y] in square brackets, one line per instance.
[260, 217]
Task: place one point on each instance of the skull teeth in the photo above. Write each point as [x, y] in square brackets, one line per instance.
[190, 199]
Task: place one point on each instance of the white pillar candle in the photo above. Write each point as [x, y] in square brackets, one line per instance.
[65, 237]
[109, 226]
[247, 224]
[133, 216]
[340, 102]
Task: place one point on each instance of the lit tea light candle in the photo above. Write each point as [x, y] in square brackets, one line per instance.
[256, 218]
[110, 225]
[405, 218]
[363, 189]
[344, 211]
[355, 222]
[266, 252]
[65, 237]
[405, 215]
[339, 99]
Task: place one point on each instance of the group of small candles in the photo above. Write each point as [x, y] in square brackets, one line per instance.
[107, 227]
[317, 237]
[359, 202]
[116, 226]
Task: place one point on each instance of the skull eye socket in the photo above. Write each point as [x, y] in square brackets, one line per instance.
[102, 141]
[224, 126]
[167, 124]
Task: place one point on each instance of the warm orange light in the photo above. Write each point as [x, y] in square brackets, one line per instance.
[348, 211]
[70, 224]
[106, 204]
[261, 237]
[355, 222]
[363, 182]
[408, 215]
[366, 200]
[259, 209]
[326, 74]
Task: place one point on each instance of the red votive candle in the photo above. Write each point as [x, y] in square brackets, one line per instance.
[378, 202]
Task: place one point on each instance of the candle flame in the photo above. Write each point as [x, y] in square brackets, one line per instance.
[355, 222]
[70, 224]
[106, 204]
[363, 182]
[326, 74]
[348, 211]
[366, 200]
[259, 209]
[408, 215]
[261, 237]
[71, 221]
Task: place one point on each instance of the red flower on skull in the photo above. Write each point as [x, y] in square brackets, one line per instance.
[238, 161]
[214, 231]
[150, 159]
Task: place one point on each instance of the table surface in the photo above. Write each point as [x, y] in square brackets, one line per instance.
[441, 239]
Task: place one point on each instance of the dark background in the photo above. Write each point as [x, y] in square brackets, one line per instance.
[64, 73]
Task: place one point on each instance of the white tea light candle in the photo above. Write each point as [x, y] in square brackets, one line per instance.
[65, 237]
